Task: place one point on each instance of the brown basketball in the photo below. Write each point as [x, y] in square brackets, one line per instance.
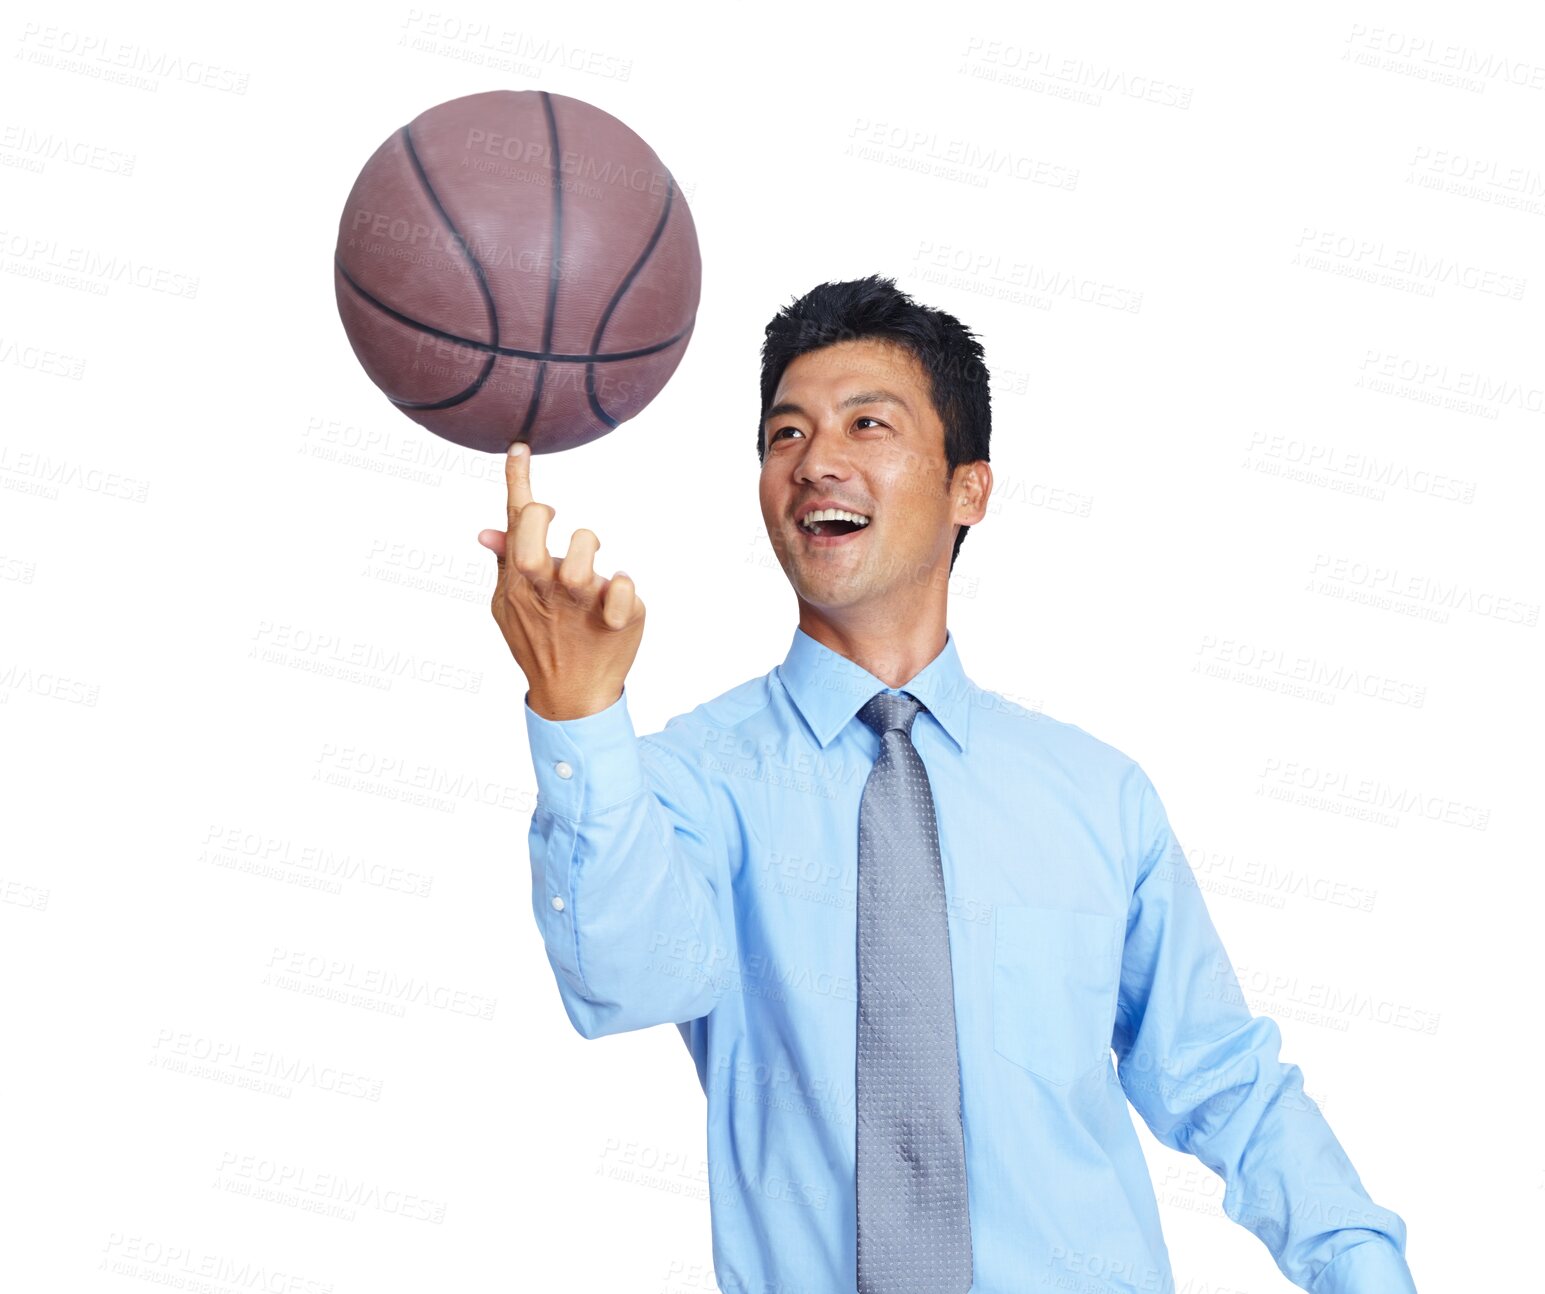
[517, 265]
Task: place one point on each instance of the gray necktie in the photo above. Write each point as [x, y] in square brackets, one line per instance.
[914, 1229]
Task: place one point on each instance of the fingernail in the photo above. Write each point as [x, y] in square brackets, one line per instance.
[518, 448]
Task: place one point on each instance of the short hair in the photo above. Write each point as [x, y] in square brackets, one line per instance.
[949, 353]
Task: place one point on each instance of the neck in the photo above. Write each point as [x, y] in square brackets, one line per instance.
[893, 653]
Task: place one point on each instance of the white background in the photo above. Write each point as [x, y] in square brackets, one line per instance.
[245, 614]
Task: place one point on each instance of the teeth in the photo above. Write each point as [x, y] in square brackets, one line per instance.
[833, 514]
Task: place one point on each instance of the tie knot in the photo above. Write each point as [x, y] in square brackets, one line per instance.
[888, 711]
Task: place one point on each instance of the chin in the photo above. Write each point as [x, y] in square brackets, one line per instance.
[828, 593]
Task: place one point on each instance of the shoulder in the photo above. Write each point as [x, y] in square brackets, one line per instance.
[1017, 729]
[1043, 744]
[1075, 765]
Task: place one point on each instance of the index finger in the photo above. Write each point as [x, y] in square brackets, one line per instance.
[517, 477]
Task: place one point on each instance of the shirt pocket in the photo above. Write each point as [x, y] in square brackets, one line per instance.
[1055, 975]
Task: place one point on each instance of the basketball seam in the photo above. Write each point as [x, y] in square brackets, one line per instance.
[482, 283]
[513, 352]
[556, 170]
[627, 282]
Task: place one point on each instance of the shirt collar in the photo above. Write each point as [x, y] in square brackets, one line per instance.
[829, 689]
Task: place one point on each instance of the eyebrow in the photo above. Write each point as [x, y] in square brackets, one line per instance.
[852, 402]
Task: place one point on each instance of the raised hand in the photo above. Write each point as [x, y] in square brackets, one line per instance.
[574, 634]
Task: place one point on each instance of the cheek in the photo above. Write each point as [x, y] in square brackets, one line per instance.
[771, 513]
[902, 501]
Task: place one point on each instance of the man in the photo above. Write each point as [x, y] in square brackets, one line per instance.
[900, 922]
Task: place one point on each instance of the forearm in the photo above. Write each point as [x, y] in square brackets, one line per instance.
[1239, 1109]
[623, 883]
[1207, 1077]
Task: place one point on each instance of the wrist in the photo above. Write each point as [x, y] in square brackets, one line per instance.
[557, 709]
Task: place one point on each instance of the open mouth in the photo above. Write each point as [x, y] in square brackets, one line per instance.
[827, 525]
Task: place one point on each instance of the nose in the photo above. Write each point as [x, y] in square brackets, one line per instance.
[824, 458]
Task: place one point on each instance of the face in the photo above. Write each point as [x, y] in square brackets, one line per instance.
[852, 426]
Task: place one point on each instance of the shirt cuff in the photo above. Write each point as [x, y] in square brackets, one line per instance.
[585, 765]
[1371, 1267]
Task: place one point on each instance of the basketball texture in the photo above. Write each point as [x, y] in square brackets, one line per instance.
[517, 265]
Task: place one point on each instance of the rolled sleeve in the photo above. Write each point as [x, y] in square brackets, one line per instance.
[1375, 1266]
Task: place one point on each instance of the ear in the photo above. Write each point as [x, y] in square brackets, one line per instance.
[971, 487]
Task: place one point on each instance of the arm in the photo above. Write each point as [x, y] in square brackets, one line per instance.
[625, 856]
[624, 840]
[1206, 1077]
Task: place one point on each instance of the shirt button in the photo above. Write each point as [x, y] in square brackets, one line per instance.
[558, 904]
[563, 770]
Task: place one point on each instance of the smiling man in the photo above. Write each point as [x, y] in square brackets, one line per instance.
[903, 925]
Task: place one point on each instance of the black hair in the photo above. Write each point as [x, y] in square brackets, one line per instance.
[874, 307]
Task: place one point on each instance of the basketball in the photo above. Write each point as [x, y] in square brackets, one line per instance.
[517, 265]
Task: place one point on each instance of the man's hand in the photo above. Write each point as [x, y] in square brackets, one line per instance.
[574, 634]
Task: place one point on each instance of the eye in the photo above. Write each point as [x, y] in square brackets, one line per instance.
[865, 418]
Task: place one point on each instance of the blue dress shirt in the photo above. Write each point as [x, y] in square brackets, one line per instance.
[706, 876]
